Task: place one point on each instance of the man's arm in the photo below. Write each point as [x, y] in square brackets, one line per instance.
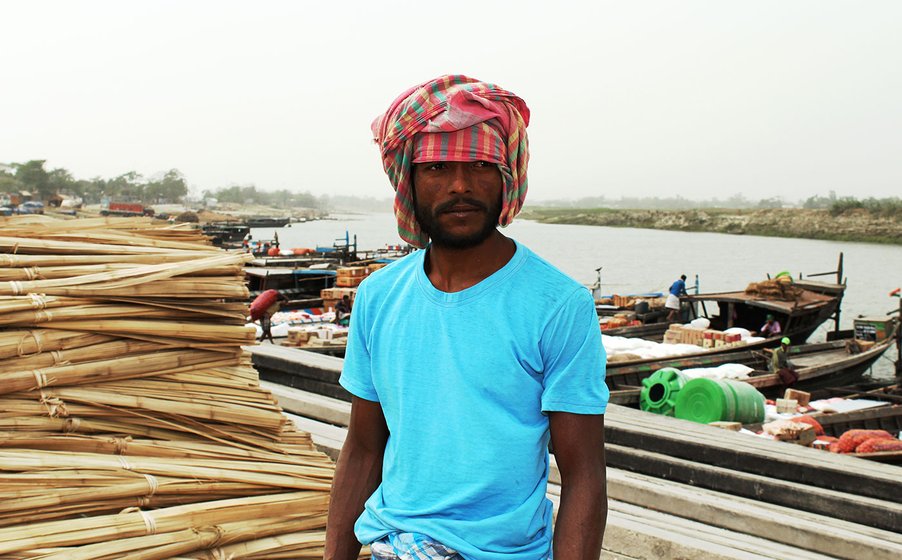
[578, 443]
[357, 475]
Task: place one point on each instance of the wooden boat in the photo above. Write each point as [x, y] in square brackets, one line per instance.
[266, 222]
[302, 286]
[819, 366]
[225, 233]
[800, 306]
[812, 303]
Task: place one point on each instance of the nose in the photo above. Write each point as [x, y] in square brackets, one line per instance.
[460, 178]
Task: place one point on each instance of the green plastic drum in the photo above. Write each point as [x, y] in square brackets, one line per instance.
[705, 400]
[719, 400]
[660, 389]
[749, 403]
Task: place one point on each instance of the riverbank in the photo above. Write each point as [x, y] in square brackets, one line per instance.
[855, 225]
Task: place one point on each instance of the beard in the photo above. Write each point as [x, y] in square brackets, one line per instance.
[428, 220]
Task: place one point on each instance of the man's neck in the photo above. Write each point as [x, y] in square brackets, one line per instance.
[454, 270]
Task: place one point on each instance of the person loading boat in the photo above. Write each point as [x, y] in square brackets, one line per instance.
[677, 289]
[780, 364]
[458, 384]
[343, 311]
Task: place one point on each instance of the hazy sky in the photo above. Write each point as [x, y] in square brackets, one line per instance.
[699, 98]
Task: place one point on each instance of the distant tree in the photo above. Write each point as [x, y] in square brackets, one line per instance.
[775, 202]
[60, 181]
[171, 187]
[8, 182]
[819, 202]
[33, 177]
[128, 186]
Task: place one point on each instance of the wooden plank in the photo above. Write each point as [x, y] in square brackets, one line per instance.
[881, 514]
[683, 533]
[303, 383]
[634, 532]
[737, 451]
[821, 533]
[699, 433]
[317, 407]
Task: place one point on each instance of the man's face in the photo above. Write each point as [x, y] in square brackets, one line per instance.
[457, 203]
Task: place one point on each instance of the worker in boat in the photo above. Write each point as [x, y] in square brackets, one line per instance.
[343, 311]
[780, 364]
[446, 353]
[677, 289]
[771, 327]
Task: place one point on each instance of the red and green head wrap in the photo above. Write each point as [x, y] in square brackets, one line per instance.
[453, 118]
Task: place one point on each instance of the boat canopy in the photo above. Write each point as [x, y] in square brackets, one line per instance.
[806, 300]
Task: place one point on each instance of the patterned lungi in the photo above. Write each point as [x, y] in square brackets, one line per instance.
[411, 546]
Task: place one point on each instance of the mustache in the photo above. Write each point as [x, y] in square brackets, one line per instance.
[447, 206]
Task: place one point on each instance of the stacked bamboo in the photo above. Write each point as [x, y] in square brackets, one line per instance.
[131, 422]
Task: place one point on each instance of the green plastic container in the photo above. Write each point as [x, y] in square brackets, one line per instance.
[660, 389]
[749, 403]
[719, 400]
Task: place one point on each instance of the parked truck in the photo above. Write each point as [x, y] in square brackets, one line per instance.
[113, 208]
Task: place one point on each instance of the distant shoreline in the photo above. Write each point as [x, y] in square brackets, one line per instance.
[855, 226]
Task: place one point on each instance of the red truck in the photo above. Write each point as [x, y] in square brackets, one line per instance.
[110, 208]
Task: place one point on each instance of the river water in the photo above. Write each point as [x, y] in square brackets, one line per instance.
[642, 260]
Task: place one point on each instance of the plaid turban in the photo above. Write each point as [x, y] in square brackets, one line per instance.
[453, 118]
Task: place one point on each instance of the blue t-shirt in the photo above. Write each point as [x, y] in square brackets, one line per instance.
[678, 287]
[464, 380]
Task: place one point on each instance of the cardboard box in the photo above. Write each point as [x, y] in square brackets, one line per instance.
[787, 406]
[792, 432]
[338, 293]
[801, 397]
[351, 272]
[348, 281]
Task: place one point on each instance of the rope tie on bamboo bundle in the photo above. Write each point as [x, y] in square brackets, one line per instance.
[58, 358]
[149, 522]
[220, 554]
[213, 550]
[39, 346]
[152, 484]
[40, 378]
[31, 273]
[121, 444]
[54, 405]
[16, 287]
[71, 425]
[124, 462]
[42, 316]
[38, 301]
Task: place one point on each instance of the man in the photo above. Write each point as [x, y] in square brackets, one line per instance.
[779, 363]
[343, 310]
[771, 327]
[263, 308]
[458, 383]
[677, 289]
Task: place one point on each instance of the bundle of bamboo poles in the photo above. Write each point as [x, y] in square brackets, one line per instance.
[131, 422]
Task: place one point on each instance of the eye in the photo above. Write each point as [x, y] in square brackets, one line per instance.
[435, 166]
[481, 164]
